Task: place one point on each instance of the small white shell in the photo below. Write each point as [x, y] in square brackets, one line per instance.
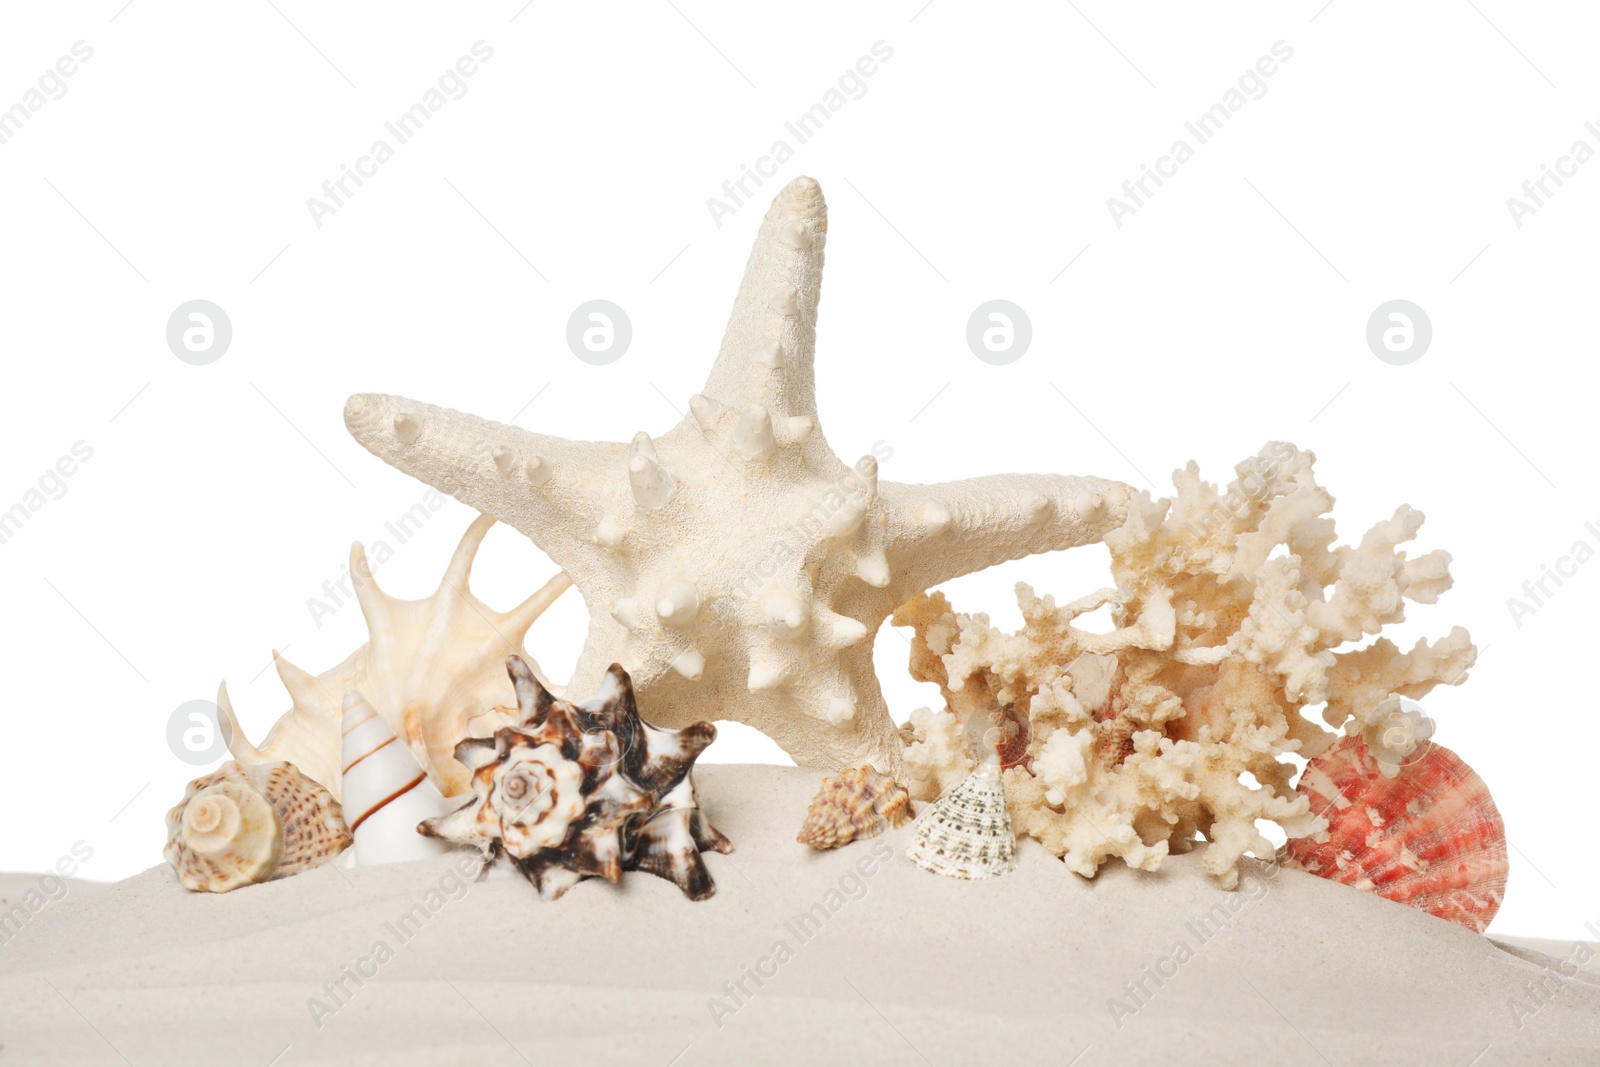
[386, 793]
[967, 832]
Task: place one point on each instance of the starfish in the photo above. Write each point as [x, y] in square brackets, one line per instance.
[735, 566]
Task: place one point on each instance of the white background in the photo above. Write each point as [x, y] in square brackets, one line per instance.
[1229, 311]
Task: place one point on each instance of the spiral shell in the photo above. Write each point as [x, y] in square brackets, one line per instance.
[538, 794]
[241, 825]
[854, 805]
[1430, 837]
[577, 791]
[967, 832]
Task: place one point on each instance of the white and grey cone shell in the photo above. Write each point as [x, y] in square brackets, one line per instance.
[966, 833]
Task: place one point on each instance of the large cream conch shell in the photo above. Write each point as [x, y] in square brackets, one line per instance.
[241, 825]
[386, 793]
[432, 669]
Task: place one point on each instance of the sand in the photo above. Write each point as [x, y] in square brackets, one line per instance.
[900, 967]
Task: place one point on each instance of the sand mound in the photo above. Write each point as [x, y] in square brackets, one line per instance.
[410, 964]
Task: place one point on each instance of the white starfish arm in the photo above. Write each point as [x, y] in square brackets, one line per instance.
[552, 490]
[767, 354]
[941, 531]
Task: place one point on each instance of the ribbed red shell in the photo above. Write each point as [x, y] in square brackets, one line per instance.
[1430, 838]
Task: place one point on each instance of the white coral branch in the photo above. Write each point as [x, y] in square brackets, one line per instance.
[1231, 607]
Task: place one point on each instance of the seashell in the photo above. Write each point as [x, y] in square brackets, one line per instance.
[431, 667]
[670, 843]
[574, 791]
[307, 735]
[1430, 837]
[314, 829]
[854, 805]
[224, 833]
[967, 831]
[386, 793]
[241, 824]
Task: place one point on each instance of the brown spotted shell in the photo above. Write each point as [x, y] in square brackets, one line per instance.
[314, 830]
[244, 824]
[854, 805]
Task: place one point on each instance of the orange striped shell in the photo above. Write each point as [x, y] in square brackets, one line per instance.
[854, 805]
[1430, 837]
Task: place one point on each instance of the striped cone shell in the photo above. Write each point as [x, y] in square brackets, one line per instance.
[386, 792]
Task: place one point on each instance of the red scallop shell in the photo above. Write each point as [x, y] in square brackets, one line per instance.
[1430, 837]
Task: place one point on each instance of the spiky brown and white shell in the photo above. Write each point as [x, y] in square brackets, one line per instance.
[575, 791]
[1429, 837]
[241, 824]
[854, 805]
[967, 832]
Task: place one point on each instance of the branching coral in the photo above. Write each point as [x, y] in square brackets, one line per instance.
[937, 755]
[1230, 610]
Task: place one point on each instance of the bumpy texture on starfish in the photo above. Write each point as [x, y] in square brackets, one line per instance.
[735, 566]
